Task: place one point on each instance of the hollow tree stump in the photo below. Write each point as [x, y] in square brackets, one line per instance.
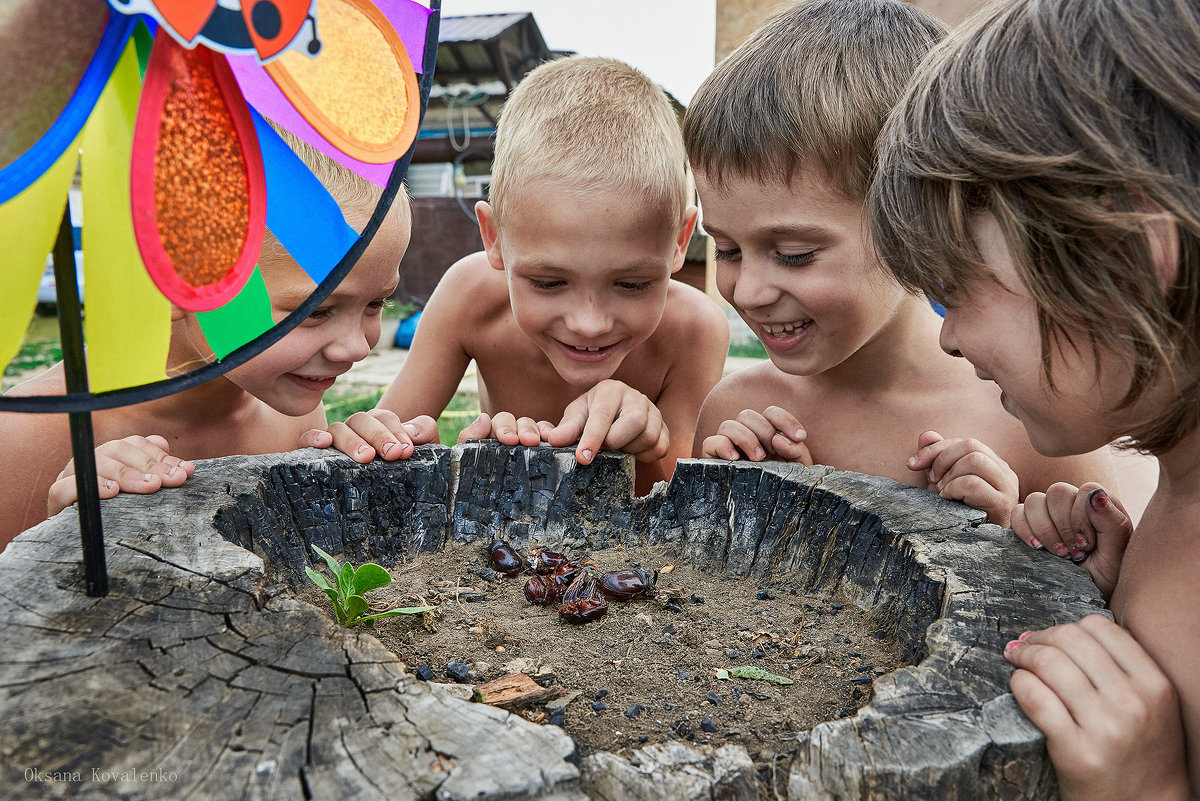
[198, 676]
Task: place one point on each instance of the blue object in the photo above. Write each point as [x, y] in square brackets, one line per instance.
[406, 331]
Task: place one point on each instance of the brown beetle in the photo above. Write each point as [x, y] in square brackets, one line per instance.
[628, 584]
[543, 561]
[583, 601]
[504, 558]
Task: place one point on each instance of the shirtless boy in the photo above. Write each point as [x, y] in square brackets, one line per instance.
[576, 328]
[781, 137]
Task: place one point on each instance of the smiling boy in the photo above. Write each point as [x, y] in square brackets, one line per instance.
[782, 140]
[576, 328]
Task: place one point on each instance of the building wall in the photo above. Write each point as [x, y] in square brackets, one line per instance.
[737, 18]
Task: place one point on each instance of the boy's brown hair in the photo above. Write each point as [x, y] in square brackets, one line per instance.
[814, 83]
[590, 122]
[1073, 122]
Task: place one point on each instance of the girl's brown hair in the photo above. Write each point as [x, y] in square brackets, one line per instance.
[1075, 123]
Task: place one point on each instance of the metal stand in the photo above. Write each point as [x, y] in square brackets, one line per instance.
[70, 327]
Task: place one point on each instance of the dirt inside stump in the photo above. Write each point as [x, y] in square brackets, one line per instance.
[647, 671]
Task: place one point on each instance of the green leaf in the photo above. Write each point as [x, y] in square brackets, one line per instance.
[407, 610]
[370, 576]
[356, 607]
[345, 581]
[318, 579]
[334, 566]
[758, 674]
[332, 595]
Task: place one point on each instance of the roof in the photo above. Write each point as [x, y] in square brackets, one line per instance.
[477, 27]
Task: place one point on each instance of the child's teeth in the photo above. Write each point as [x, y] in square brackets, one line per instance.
[589, 350]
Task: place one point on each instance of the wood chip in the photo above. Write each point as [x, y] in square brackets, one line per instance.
[515, 690]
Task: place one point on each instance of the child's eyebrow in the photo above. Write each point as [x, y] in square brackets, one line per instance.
[799, 230]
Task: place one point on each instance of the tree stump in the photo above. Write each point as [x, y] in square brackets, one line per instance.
[199, 676]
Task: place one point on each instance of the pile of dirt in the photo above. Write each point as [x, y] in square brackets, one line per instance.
[648, 670]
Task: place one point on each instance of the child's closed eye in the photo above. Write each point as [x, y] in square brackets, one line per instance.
[634, 286]
[322, 313]
[726, 255]
[795, 259]
[540, 284]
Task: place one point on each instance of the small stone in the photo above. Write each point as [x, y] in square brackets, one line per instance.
[642, 738]
[599, 706]
[634, 710]
[679, 674]
[424, 673]
[713, 698]
[837, 607]
[736, 691]
[734, 654]
[864, 668]
[861, 680]
[668, 707]
[793, 591]
[764, 595]
[697, 599]
[633, 760]
[672, 607]
[708, 726]
[458, 671]
[668, 629]
[500, 649]
[845, 712]
[487, 574]
[600, 694]
[558, 717]
[880, 635]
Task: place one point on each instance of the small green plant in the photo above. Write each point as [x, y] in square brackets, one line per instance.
[346, 592]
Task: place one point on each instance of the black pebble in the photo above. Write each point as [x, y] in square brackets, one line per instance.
[880, 635]
[487, 574]
[668, 629]
[558, 717]
[634, 710]
[599, 706]
[864, 668]
[697, 599]
[713, 698]
[734, 654]
[600, 694]
[634, 760]
[458, 671]
[425, 673]
[836, 607]
[671, 607]
[679, 674]
[668, 707]
[642, 738]
[764, 595]
[708, 726]
[736, 691]
[845, 712]
[861, 680]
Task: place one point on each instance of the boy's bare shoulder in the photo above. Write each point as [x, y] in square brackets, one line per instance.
[690, 316]
[753, 387]
[471, 289]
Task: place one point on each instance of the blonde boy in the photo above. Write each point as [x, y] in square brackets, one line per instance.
[260, 407]
[781, 137]
[569, 312]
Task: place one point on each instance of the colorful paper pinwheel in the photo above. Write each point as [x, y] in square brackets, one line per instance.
[165, 100]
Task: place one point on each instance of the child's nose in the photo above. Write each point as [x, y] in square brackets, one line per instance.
[753, 288]
[946, 337]
[352, 343]
[589, 319]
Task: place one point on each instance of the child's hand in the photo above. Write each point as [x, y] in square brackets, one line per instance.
[967, 470]
[505, 427]
[1084, 522]
[774, 434]
[611, 416]
[374, 431]
[140, 465]
[1110, 715]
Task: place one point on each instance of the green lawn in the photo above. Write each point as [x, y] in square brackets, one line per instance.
[463, 408]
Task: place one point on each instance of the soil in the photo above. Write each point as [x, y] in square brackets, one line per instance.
[645, 672]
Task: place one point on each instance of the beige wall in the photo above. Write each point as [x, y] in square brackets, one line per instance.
[737, 18]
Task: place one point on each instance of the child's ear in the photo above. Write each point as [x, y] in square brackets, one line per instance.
[684, 238]
[489, 234]
[1162, 234]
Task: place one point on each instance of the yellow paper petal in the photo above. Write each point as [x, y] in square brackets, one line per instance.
[28, 226]
[128, 320]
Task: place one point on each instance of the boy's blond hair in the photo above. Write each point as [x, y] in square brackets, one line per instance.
[590, 122]
[1062, 118]
[811, 86]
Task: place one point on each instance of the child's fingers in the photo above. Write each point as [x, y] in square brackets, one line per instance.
[744, 439]
[1041, 525]
[785, 423]
[975, 491]
[923, 458]
[719, 446]
[1111, 529]
[1020, 524]
[926, 438]
[315, 438]
[764, 431]
[645, 435]
[950, 451]
[142, 455]
[504, 428]
[422, 430]
[528, 432]
[351, 443]
[789, 450]
[480, 428]
[1042, 706]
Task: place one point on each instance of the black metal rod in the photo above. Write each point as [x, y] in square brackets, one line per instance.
[70, 327]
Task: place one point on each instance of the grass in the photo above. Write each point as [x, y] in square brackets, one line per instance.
[753, 350]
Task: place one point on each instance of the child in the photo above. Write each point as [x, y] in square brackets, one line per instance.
[1042, 179]
[260, 407]
[781, 137]
[570, 312]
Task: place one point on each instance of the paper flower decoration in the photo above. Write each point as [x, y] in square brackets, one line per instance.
[164, 101]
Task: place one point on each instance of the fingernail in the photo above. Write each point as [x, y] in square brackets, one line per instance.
[1099, 499]
[1024, 636]
[939, 484]
[759, 453]
[146, 477]
[360, 449]
[170, 471]
[1078, 556]
[1080, 542]
[108, 484]
[387, 448]
[587, 454]
[912, 461]
[799, 435]
[1035, 542]
[1011, 645]
[405, 446]
[1060, 549]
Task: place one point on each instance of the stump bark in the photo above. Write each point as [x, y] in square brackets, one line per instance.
[199, 676]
